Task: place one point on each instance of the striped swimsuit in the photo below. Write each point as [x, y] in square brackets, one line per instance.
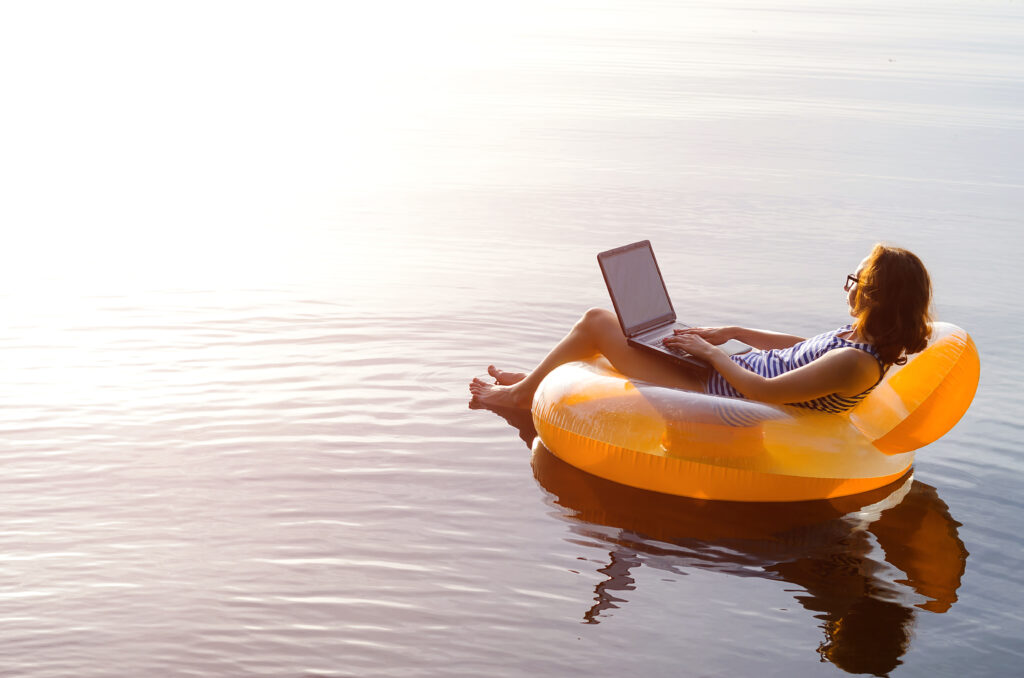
[774, 362]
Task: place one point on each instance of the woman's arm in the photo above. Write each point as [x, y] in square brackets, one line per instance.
[846, 371]
[761, 339]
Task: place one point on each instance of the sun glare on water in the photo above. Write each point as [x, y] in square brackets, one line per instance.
[196, 145]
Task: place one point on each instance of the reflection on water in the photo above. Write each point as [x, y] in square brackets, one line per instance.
[864, 564]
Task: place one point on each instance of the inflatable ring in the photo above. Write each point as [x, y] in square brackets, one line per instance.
[710, 447]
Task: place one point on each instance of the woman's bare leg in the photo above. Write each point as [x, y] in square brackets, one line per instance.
[596, 332]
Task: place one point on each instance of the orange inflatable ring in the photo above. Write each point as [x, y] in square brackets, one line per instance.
[698, 445]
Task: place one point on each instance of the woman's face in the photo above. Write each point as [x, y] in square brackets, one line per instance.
[851, 294]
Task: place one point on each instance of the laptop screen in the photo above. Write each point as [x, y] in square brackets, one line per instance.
[636, 287]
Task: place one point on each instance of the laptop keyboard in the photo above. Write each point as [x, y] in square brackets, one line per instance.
[654, 338]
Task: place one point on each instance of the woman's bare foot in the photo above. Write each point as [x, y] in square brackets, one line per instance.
[505, 378]
[498, 395]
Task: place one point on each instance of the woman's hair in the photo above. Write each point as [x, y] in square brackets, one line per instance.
[892, 303]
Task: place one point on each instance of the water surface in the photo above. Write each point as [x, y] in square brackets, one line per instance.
[255, 253]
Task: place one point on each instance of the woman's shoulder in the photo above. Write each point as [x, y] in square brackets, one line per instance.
[855, 369]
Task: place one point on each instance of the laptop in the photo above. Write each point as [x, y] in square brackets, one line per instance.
[641, 301]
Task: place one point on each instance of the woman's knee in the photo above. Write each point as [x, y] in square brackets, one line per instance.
[597, 319]
[600, 326]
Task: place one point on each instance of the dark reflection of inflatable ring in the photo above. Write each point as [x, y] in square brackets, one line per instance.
[822, 546]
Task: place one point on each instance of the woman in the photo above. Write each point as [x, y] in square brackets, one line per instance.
[889, 297]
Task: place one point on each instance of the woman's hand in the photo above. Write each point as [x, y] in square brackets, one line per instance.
[713, 335]
[692, 343]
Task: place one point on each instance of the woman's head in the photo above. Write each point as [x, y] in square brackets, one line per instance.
[891, 301]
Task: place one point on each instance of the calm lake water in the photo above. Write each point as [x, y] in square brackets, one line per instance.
[255, 252]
